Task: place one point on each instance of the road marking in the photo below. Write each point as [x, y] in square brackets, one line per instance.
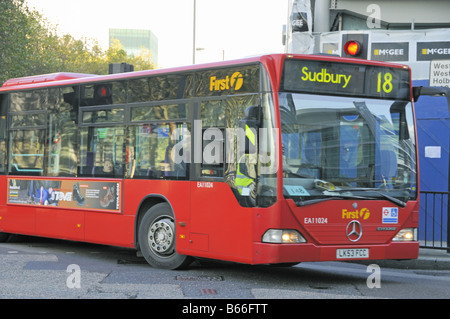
[207, 291]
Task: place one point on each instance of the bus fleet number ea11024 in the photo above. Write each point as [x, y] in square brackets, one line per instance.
[316, 220]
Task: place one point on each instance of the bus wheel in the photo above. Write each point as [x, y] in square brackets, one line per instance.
[157, 239]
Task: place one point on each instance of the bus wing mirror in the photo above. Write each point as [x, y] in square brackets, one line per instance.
[418, 91]
[252, 113]
[250, 125]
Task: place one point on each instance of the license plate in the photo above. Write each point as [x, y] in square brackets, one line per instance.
[352, 253]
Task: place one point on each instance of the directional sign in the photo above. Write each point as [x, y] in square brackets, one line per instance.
[440, 73]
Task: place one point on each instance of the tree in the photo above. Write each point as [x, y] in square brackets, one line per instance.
[143, 61]
[80, 56]
[16, 38]
[116, 54]
[30, 46]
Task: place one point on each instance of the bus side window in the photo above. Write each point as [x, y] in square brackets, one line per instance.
[240, 168]
[213, 138]
[61, 155]
[157, 141]
[102, 152]
[27, 152]
[154, 147]
[27, 132]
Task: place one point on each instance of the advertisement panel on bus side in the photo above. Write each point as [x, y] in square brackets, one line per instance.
[82, 194]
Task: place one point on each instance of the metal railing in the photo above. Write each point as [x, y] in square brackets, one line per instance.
[434, 221]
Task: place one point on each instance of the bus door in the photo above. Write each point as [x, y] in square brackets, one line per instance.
[207, 171]
[218, 210]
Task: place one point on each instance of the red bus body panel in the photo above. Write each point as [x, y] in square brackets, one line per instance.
[326, 232]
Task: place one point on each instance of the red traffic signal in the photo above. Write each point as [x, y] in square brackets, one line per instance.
[103, 91]
[352, 48]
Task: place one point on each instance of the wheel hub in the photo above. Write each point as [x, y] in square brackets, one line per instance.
[161, 236]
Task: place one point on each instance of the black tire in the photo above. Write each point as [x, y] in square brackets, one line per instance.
[157, 239]
[3, 237]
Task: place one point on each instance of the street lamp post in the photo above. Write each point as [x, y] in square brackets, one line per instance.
[195, 21]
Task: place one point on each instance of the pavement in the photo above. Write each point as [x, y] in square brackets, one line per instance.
[429, 259]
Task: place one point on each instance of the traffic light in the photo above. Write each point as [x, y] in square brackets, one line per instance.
[102, 91]
[355, 45]
[352, 48]
[103, 94]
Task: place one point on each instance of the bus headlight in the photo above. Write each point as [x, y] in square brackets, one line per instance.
[406, 234]
[283, 236]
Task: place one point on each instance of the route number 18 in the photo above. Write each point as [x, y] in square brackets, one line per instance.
[384, 82]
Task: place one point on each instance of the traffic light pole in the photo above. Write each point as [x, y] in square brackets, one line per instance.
[194, 35]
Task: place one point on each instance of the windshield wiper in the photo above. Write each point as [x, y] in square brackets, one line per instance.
[288, 172]
[324, 199]
[390, 198]
[303, 203]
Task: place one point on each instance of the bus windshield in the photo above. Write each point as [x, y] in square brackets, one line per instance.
[346, 147]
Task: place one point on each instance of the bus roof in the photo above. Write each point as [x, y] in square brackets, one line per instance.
[65, 78]
[44, 78]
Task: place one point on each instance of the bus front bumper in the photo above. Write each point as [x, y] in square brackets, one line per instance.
[307, 252]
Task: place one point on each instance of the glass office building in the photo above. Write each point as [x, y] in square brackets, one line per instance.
[133, 40]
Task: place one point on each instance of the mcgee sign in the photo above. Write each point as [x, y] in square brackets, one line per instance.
[384, 51]
[427, 51]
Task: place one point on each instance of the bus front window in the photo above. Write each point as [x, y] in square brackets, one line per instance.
[345, 147]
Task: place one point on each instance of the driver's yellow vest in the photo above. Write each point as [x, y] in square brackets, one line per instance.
[241, 180]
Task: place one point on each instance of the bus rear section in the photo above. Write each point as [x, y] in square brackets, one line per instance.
[349, 164]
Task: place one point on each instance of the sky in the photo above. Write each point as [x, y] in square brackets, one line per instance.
[225, 28]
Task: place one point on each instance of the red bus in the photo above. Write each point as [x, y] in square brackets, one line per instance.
[276, 159]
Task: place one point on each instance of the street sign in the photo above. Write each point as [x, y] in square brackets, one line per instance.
[440, 73]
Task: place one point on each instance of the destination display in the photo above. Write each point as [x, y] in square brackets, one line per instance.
[338, 78]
